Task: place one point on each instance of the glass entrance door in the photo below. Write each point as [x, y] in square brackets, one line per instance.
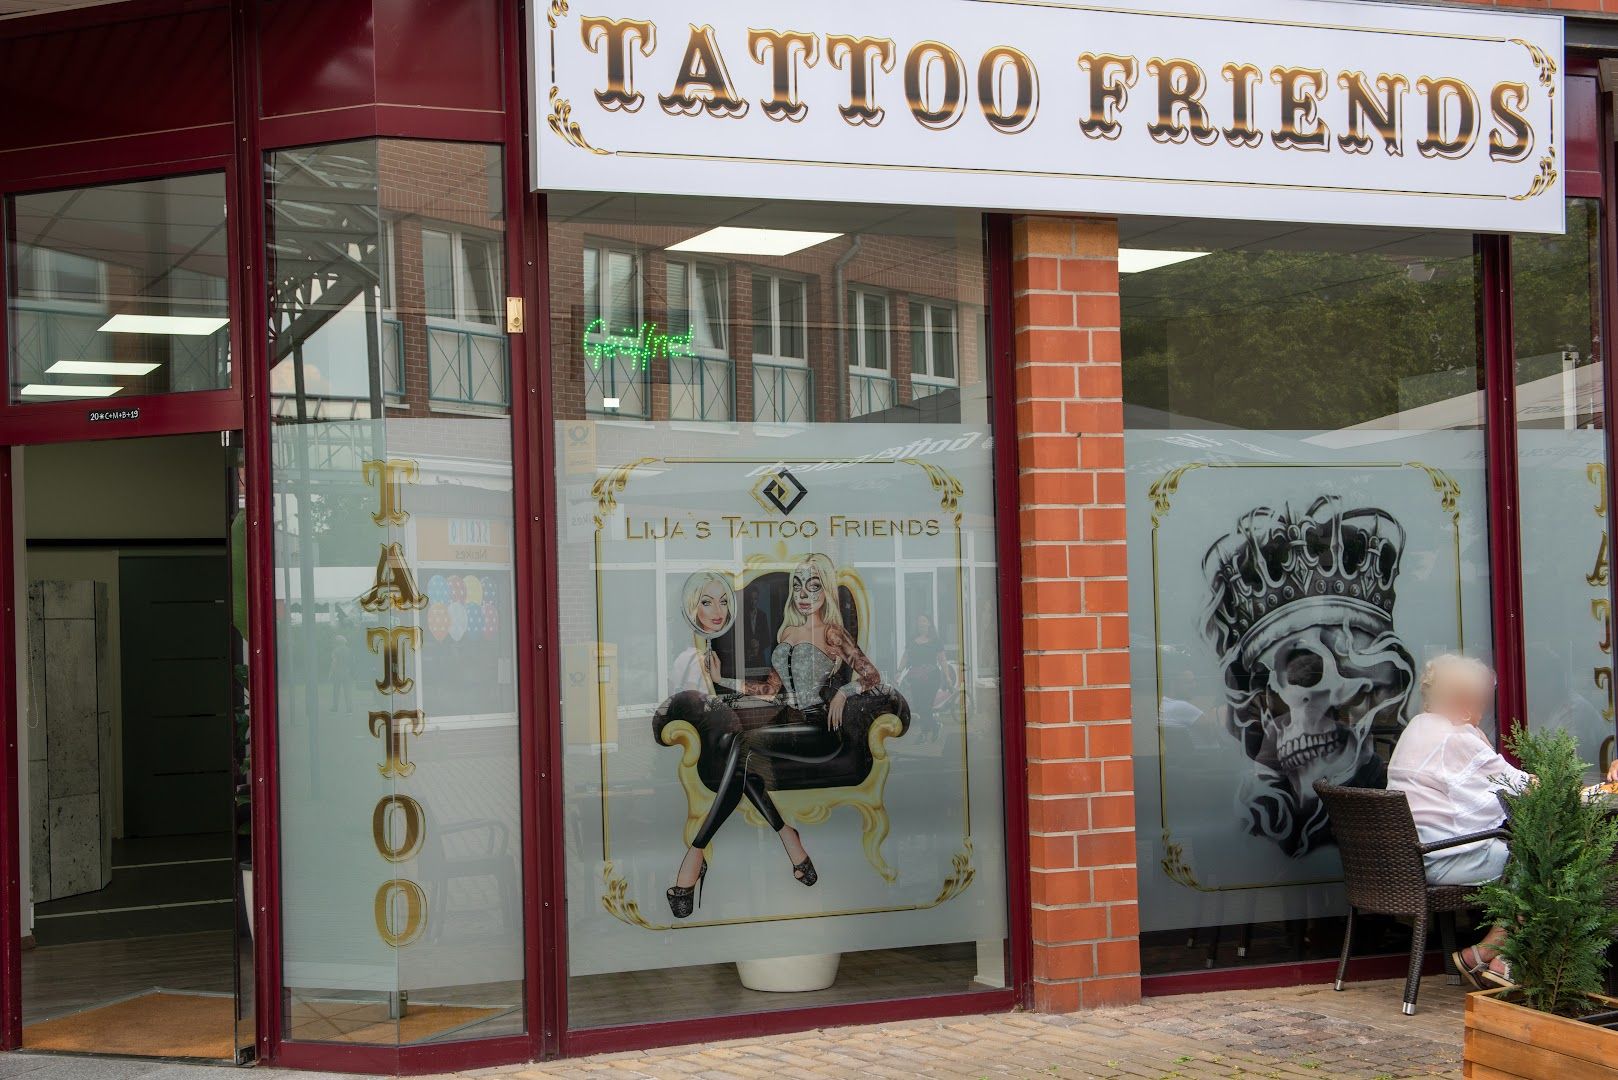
[131, 748]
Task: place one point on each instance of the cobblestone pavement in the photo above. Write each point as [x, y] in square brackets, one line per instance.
[1285, 1034]
[1302, 1031]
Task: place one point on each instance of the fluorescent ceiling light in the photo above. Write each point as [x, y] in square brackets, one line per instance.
[1139, 260]
[99, 367]
[47, 390]
[727, 240]
[172, 325]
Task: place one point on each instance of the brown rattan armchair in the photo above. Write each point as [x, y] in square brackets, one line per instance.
[1384, 874]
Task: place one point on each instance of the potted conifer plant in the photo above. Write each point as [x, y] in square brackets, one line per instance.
[1555, 900]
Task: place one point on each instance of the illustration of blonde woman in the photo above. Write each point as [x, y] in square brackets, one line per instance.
[821, 691]
[709, 604]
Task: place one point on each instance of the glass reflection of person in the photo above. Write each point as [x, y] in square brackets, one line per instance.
[797, 713]
[708, 602]
[923, 667]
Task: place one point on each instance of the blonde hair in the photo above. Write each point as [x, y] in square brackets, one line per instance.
[691, 597]
[832, 610]
[1442, 673]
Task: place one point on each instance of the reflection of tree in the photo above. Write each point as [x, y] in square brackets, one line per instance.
[1555, 280]
[1312, 340]
[337, 520]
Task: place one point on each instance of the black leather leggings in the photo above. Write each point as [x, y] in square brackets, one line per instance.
[750, 748]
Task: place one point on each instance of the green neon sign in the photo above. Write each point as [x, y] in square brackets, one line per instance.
[641, 346]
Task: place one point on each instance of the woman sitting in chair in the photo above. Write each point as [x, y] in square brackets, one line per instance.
[797, 713]
[1451, 775]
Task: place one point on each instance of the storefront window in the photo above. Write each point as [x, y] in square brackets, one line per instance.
[401, 837]
[120, 290]
[1563, 481]
[1307, 526]
[778, 627]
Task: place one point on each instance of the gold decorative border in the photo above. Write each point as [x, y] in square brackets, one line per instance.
[616, 899]
[1174, 864]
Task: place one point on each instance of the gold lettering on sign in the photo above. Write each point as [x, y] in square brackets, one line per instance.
[1110, 79]
[389, 642]
[1385, 115]
[395, 931]
[1180, 85]
[945, 112]
[1439, 140]
[394, 584]
[1506, 103]
[864, 57]
[1604, 682]
[398, 822]
[787, 50]
[1599, 574]
[704, 81]
[384, 833]
[1244, 80]
[1301, 126]
[391, 728]
[621, 38]
[996, 64]
[1596, 473]
[390, 477]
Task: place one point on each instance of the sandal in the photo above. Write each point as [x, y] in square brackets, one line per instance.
[1495, 980]
[1472, 975]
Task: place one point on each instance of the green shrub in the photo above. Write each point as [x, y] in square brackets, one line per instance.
[1553, 898]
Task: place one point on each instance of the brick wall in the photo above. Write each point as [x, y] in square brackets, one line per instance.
[1075, 613]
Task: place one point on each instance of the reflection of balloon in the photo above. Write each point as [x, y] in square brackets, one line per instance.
[474, 619]
[457, 621]
[491, 619]
[474, 589]
[438, 589]
[457, 589]
[438, 621]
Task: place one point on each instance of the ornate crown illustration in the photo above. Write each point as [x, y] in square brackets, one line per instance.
[1275, 559]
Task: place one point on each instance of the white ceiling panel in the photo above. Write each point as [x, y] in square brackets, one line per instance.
[17, 9]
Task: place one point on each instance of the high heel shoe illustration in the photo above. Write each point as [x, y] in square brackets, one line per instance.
[805, 872]
[683, 900]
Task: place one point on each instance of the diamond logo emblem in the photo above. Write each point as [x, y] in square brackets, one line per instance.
[780, 491]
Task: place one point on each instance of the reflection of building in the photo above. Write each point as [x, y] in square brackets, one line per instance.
[663, 334]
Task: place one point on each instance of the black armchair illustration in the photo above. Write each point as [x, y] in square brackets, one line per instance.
[805, 793]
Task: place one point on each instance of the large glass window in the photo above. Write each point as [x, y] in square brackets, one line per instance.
[120, 290]
[1307, 525]
[778, 629]
[1563, 481]
[401, 835]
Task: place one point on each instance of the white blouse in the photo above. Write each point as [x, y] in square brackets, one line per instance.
[1450, 774]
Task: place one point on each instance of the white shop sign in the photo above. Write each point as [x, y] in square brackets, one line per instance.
[1336, 111]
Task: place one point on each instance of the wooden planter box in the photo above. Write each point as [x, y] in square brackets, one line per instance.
[1506, 1041]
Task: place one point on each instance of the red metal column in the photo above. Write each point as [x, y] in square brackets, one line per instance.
[1008, 554]
[252, 302]
[1500, 436]
[10, 812]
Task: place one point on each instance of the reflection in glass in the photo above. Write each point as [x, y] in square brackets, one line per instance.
[1307, 525]
[120, 290]
[401, 829]
[771, 781]
[1563, 481]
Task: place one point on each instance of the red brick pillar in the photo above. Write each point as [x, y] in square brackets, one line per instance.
[1081, 786]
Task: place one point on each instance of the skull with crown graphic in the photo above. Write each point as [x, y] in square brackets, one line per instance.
[1301, 614]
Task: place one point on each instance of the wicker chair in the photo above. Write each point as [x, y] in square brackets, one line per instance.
[1384, 875]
